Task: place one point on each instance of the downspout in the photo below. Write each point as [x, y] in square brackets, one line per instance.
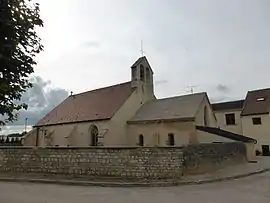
[37, 137]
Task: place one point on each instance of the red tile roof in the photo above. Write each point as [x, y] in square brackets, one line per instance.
[99, 104]
[257, 102]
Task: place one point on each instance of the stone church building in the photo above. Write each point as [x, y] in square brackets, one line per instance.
[129, 114]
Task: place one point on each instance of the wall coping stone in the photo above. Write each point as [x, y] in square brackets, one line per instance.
[93, 147]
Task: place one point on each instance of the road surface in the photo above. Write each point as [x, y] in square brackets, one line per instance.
[251, 189]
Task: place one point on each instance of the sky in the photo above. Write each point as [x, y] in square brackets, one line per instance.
[219, 46]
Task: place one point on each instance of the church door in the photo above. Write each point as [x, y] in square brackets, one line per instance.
[94, 135]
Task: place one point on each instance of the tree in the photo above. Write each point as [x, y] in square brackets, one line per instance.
[2, 140]
[7, 141]
[19, 45]
[17, 141]
[13, 140]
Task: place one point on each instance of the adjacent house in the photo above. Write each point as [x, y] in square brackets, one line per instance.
[249, 117]
[256, 119]
[228, 115]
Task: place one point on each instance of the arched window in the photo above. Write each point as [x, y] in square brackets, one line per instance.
[142, 72]
[133, 73]
[147, 74]
[93, 135]
[140, 140]
[171, 139]
[205, 116]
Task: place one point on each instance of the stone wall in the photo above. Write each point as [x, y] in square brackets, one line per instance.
[208, 157]
[141, 163]
[125, 163]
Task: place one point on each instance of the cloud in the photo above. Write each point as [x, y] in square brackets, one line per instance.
[161, 82]
[203, 42]
[223, 88]
[5, 130]
[41, 99]
[90, 44]
[219, 99]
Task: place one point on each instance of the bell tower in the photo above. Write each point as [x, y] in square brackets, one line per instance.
[142, 77]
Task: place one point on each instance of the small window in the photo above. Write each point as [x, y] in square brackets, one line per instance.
[147, 74]
[205, 117]
[257, 121]
[265, 150]
[94, 135]
[133, 73]
[171, 139]
[142, 72]
[140, 140]
[230, 119]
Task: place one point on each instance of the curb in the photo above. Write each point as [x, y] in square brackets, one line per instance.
[127, 184]
[224, 178]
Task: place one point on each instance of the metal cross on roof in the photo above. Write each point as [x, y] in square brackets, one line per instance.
[142, 51]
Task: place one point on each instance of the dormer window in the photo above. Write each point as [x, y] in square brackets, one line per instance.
[260, 99]
[142, 72]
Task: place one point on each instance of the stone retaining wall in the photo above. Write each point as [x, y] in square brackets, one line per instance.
[139, 163]
[122, 163]
[205, 158]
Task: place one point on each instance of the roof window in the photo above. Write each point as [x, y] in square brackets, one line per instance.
[260, 99]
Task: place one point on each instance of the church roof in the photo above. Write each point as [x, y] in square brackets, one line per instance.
[257, 102]
[99, 104]
[182, 108]
[141, 60]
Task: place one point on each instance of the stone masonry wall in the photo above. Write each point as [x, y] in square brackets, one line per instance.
[208, 157]
[141, 163]
[124, 163]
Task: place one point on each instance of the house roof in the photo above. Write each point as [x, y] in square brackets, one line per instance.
[238, 104]
[99, 104]
[226, 134]
[182, 108]
[257, 102]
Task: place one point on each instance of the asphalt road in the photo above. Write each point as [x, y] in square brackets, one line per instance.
[251, 189]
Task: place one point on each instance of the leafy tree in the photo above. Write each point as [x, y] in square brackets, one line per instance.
[19, 45]
[17, 140]
[14, 135]
[7, 140]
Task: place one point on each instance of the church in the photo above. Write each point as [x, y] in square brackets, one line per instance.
[129, 114]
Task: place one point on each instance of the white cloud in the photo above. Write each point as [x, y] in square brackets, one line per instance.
[41, 99]
[5, 130]
[202, 43]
